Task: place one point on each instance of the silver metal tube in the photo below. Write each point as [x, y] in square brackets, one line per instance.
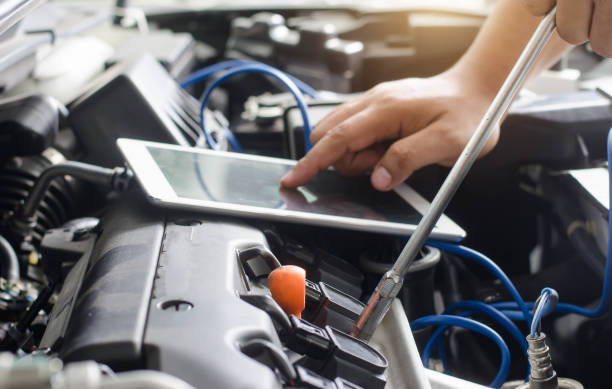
[391, 283]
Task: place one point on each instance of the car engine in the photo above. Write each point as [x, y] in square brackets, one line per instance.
[99, 288]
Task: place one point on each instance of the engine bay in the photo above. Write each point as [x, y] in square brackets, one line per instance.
[102, 289]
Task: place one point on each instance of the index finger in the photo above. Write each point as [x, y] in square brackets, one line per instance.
[352, 135]
[337, 116]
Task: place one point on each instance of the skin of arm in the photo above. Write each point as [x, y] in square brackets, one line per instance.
[400, 126]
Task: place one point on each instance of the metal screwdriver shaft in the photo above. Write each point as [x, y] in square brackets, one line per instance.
[391, 282]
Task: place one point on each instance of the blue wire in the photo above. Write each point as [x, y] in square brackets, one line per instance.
[487, 263]
[442, 354]
[438, 340]
[457, 321]
[492, 313]
[263, 70]
[231, 139]
[205, 73]
[510, 309]
[510, 305]
[513, 315]
[208, 71]
[471, 307]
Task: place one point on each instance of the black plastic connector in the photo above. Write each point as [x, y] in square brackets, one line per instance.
[337, 309]
[320, 265]
[257, 261]
[355, 361]
[336, 356]
[307, 379]
[313, 299]
[308, 339]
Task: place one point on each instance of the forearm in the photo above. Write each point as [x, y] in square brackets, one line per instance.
[499, 44]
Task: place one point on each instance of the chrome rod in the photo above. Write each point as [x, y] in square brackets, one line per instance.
[392, 281]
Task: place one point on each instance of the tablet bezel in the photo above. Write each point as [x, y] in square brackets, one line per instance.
[160, 192]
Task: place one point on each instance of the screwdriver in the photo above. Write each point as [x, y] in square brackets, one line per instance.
[391, 282]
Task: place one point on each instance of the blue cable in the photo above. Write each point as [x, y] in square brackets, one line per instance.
[208, 71]
[262, 70]
[471, 307]
[487, 263]
[442, 354]
[457, 321]
[492, 313]
[513, 314]
[438, 340]
[205, 73]
[510, 305]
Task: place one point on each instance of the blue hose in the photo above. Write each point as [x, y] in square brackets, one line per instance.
[487, 263]
[510, 305]
[208, 71]
[262, 70]
[442, 354]
[205, 73]
[456, 321]
[471, 307]
[510, 310]
[436, 339]
[492, 313]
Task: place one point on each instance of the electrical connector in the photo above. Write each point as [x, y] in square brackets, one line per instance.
[543, 375]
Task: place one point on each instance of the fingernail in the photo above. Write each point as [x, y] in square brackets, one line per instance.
[381, 178]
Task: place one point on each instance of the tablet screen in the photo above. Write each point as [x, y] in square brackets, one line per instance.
[252, 182]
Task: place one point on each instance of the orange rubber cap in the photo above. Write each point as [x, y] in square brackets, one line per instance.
[288, 287]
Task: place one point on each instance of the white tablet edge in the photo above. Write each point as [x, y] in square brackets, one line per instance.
[159, 191]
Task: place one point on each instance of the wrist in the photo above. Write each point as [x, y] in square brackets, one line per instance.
[475, 85]
[475, 81]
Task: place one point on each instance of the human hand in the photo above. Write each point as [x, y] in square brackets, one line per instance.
[396, 128]
[579, 21]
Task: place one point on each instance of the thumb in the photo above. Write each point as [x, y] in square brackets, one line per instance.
[412, 153]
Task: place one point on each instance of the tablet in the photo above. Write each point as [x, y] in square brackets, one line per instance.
[248, 186]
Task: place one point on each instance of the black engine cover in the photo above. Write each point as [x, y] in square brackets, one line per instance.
[161, 291]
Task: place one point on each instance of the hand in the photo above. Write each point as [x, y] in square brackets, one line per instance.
[580, 20]
[396, 128]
